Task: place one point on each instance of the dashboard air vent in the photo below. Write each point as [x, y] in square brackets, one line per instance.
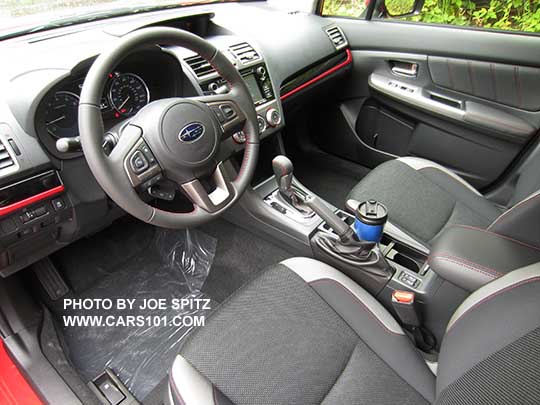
[5, 158]
[244, 52]
[200, 66]
[337, 37]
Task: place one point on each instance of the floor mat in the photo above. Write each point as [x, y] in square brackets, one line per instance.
[240, 256]
[138, 339]
[328, 176]
[124, 261]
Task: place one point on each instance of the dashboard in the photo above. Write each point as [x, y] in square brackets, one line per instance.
[49, 197]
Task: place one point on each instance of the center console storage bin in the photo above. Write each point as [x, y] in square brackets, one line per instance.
[471, 257]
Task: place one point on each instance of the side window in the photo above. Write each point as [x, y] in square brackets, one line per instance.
[510, 15]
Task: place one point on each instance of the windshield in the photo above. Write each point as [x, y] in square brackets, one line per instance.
[19, 17]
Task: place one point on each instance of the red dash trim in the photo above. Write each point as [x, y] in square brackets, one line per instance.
[346, 62]
[31, 200]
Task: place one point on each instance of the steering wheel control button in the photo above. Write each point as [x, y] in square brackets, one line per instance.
[273, 117]
[162, 193]
[239, 137]
[138, 162]
[147, 154]
[227, 111]
[149, 183]
[219, 114]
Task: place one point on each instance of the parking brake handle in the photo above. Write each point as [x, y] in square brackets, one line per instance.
[341, 228]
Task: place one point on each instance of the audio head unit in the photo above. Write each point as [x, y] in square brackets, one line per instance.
[257, 81]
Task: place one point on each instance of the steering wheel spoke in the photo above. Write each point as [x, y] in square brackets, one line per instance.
[223, 193]
[227, 111]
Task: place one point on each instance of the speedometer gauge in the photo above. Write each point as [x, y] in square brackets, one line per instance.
[128, 94]
[61, 115]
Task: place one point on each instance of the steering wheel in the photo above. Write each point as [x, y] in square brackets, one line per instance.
[175, 138]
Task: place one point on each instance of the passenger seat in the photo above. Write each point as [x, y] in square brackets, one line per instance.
[424, 198]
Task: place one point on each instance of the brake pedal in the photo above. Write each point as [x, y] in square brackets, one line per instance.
[50, 279]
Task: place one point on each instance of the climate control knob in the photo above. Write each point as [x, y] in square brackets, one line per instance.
[213, 87]
[273, 117]
[261, 71]
[262, 124]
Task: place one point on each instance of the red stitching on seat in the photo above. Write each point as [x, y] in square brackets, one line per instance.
[489, 297]
[359, 301]
[499, 236]
[520, 204]
[467, 264]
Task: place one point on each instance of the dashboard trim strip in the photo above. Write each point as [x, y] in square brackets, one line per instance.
[31, 200]
[321, 76]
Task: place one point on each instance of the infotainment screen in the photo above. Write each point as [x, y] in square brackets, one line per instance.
[253, 87]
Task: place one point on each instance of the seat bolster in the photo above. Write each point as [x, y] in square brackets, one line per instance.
[521, 221]
[313, 272]
[419, 164]
[369, 319]
[488, 324]
[189, 387]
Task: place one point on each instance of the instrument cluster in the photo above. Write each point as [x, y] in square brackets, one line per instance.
[144, 76]
[125, 94]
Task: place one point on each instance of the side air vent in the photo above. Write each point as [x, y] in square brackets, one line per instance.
[337, 37]
[5, 158]
[244, 52]
[200, 66]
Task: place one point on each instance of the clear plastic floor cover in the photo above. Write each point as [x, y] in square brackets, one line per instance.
[174, 267]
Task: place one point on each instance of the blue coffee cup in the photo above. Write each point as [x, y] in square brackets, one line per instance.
[371, 216]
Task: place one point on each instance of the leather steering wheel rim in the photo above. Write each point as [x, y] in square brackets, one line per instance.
[112, 172]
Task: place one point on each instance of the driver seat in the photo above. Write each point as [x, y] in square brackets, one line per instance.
[304, 333]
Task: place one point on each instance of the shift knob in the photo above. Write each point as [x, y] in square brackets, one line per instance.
[283, 169]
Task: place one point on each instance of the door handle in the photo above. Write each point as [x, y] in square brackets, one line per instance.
[405, 69]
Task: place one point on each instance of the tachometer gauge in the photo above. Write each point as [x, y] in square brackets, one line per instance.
[128, 94]
[61, 115]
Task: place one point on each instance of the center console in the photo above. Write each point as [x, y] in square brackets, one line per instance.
[285, 210]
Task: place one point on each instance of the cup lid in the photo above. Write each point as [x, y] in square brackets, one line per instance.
[372, 212]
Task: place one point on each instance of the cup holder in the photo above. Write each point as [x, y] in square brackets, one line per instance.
[402, 255]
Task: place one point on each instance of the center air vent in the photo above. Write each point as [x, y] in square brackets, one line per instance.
[5, 158]
[200, 66]
[337, 37]
[244, 52]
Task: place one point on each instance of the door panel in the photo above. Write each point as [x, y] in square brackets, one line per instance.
[512, 85]
[466, 99]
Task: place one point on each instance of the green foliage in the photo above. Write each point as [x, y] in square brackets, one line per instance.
[399, 7]
[518, 15]
[345, 8]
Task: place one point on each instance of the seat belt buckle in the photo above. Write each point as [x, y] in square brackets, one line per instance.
[403, 303]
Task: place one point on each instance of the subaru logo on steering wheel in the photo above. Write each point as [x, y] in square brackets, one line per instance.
[191, 132]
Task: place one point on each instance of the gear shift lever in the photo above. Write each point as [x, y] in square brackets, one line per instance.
[283, 170]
